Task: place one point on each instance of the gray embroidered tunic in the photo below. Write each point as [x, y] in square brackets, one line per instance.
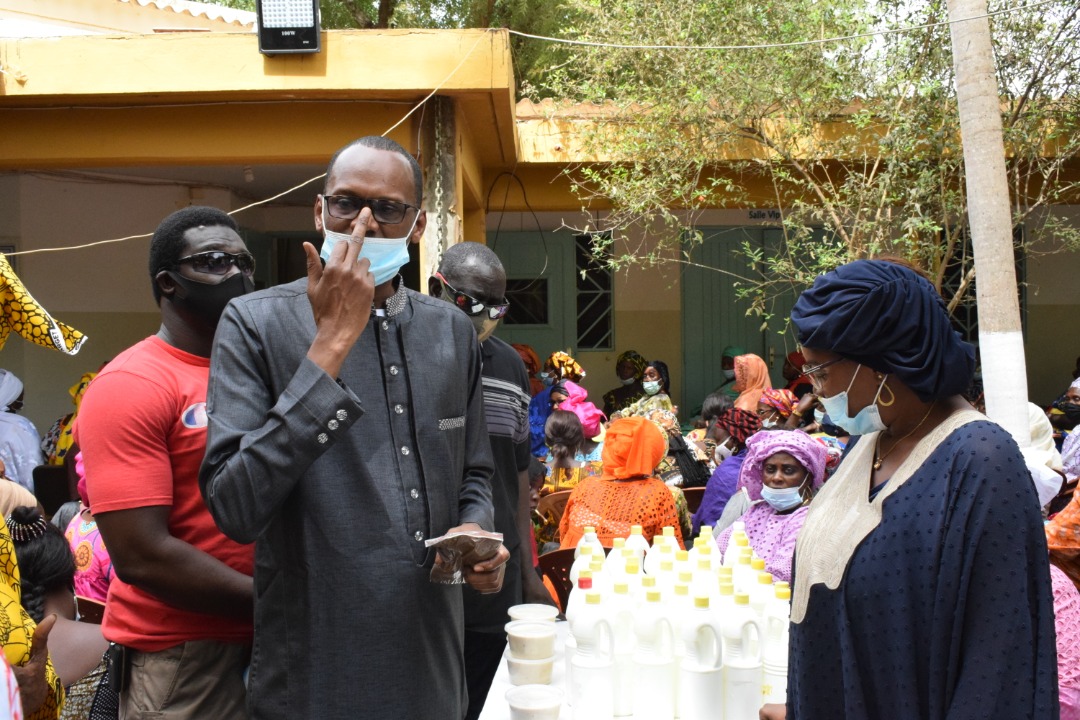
[338, 483]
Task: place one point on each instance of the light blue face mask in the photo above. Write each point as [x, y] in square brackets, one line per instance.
[866, 421]
[386, 255]
[651, 387]
[782, 499]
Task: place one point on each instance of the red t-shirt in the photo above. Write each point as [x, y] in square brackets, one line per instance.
[142, 432]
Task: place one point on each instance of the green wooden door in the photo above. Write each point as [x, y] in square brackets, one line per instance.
[713, 317]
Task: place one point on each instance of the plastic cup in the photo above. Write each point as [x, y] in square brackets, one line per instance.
[534, 702]
[529, 672]
[534, 611]
[531, 639]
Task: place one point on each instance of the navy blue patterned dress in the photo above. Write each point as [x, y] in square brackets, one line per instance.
[945, 609]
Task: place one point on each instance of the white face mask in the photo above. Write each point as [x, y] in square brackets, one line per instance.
[628, 381]
[730, 374]
[768, 424]
[651, 387]
[866, 421]
[782, 499]
[386, 255]
[722, 452]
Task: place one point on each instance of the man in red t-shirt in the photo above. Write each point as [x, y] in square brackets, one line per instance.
[181, 603]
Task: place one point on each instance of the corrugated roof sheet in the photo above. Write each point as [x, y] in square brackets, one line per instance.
[240, 18]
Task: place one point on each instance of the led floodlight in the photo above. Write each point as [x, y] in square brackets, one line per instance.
[288, 26]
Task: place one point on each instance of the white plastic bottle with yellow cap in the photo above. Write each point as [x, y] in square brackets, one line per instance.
[742, 664]
[701, 681]
[775, 654]
[636, 541]
[589, 538]
[582, 559]
[653, 662]
[736, 542]
[666, 539]
[620, 610]
[591, 682]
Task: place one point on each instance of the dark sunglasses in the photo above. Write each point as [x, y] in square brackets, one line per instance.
[347, 207]
[216, 262]
[471, 305]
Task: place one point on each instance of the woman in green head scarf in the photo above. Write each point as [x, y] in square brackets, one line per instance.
[630, 367]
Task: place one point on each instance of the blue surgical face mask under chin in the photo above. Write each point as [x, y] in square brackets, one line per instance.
[783, 499]
[866, 421]
[386, 255]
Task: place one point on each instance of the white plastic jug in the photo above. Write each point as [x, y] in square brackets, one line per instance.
[736, 542]
[775, 654]
[619, 611]
[637, 542]
[582, 561]
[589, 538]
[742, 666]
[653, 663]
[592, 684]
[701, 681]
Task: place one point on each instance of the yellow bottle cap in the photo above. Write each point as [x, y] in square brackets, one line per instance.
[701, 601]
[685, 576]
[742, 540]
[783, 584]
[648, 581]
[757, 563]
[585, 550]
[724, 572]
[783, 593]
[618, 542]
[633, 567]
[742, 599]
[589, 529]
[682, 589]
[727, 588]
[635, 529]
[764, 578]
[669, 531]
[622, 588]
[682, 555]
[652, 596]
[592, 598]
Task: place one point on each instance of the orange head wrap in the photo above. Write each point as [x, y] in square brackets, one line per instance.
[633, 447]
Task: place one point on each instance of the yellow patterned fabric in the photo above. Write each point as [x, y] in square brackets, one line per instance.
[19, 312]
[17, 628]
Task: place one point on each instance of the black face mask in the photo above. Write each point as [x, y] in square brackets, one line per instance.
[208, 301]
[1072, 412]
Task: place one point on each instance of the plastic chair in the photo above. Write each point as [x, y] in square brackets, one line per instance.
[551, 506]
[693, 497]
[556, 567]
[90, 611]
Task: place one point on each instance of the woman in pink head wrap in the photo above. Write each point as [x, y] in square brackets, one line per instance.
[576, 402]
[781, 472]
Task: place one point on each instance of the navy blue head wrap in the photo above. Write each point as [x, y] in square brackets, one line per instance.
[888, 318]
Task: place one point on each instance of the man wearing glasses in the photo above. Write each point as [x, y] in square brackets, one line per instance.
[179, 609]
[346, 428]
[472, 279]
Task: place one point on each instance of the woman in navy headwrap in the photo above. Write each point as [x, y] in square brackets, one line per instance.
[922, 587]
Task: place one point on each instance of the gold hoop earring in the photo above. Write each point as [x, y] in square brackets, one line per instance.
[892, 396]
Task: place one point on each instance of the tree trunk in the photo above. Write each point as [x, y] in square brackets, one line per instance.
[1001, 342]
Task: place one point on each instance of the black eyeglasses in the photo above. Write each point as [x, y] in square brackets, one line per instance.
[216, 262]
[471, 305]
[347, 207]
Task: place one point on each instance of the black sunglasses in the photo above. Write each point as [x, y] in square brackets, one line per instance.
[216, 262]
[471, 305]
[347, 207]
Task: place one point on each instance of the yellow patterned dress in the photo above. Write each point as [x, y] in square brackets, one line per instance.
[17, 628]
